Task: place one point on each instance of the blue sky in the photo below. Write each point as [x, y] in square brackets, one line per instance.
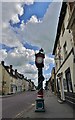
[38, 9]
[3, 46]
[32, 47]
[27, 28]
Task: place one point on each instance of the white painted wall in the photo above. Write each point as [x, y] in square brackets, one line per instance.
[68, 63]
[27, 85]
[68, 38]
[19, 85]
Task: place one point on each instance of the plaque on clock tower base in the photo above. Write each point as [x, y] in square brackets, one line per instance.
[40, 105]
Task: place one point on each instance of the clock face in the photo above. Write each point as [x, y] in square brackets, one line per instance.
[39, 60]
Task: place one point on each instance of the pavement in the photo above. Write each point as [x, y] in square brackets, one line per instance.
[10, 95]
[53, 109]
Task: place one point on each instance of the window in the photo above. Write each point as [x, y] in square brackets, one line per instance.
[65, 50]
[65, 84]
[68, 80]
[71, 4]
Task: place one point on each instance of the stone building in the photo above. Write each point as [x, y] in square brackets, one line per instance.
[11, 81]
[64, 54]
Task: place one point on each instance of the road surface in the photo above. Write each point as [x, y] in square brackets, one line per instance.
[13, 106]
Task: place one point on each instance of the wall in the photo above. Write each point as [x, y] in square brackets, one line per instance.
[6, 78]
[68, 38]
[27, 85]
[0, 79]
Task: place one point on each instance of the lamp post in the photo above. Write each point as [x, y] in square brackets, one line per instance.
[39, 61]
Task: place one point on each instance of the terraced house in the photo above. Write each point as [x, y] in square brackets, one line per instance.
[11, 81]
[64, 51]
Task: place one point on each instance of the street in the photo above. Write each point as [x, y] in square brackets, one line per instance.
[37, 63]
[22, 105]
[13, 106]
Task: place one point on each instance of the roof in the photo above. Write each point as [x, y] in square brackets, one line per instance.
[61, 18]
[12, 73]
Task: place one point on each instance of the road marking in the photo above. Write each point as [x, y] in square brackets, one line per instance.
[22, 112]
[19, 114]
[33, 104]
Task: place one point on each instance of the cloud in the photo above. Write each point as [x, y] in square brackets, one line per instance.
[0, 21]
[29, 71]
[48, 60]
[15, 19]
[8, 35]
[20, 56]
[9, 38]
[13, 10]
[43, 34]
[28, 2]
[22, 25]
[19, 9]
[40, 34]
[34, 19]
[3, 54]
[31, 1]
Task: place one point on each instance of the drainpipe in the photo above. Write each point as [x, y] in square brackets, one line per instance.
[3, 76]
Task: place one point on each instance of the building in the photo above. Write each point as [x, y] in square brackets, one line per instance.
[71, 23]
[19, 81]
[53, 81]
[32, 86]
[1, 78]
[5, 79]
[24, 84]
[11, 81]
[64, 55]
[48, 85]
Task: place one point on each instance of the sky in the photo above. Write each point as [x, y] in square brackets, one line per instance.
[28, 26]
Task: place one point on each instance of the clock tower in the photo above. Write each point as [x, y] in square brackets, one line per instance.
[39, 61]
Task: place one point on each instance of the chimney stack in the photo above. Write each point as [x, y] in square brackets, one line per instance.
[15, 71]
[11, 71]
[2, 62]
[10, 66]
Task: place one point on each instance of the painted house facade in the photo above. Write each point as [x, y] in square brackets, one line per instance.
[64, 56]
[11, 81]
[0, 79]
[5, 80]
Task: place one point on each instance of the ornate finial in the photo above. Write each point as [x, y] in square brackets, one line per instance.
[41, 50]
